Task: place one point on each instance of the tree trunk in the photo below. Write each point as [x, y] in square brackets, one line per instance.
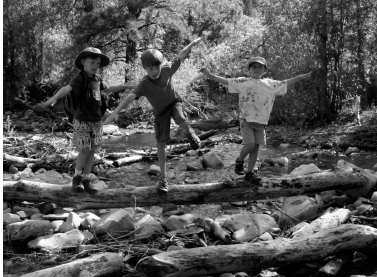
[249, 257]
[97, 265]
[184, 194]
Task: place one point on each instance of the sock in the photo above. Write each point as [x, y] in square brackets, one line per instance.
[77, 172]
[85, 176]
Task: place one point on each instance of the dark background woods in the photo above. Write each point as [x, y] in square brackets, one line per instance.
[334, 39]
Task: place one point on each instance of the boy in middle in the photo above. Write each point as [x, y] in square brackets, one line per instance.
[157, 86]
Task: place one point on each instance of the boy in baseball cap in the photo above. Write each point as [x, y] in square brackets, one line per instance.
[256, 99]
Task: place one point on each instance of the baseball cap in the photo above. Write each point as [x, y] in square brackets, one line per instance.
[257, 60]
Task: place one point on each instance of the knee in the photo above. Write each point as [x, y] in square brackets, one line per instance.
[85, 151]
[251, 147]
[161, 145]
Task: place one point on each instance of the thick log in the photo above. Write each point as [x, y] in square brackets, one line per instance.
[206, 125]
[249, 257]
[183, 194]
[128, 160]
[97, 265]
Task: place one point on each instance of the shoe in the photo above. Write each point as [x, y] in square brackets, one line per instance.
[252, 176]
[88, 186]
[238, 169]
[76, 184]
[194, 140]
[163, 185]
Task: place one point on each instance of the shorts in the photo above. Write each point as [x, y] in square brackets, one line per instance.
[253, 133]
[87, 135]
[162, 121]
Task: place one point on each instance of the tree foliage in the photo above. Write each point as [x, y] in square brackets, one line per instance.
[334, 39]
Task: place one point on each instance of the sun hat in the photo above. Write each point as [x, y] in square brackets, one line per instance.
[91, 51]
[257, 60]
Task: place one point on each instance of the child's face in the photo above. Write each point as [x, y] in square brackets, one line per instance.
[153, 71]
[91, 65]
[257, 70]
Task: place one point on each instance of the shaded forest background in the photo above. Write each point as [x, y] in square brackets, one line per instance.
[336, 39]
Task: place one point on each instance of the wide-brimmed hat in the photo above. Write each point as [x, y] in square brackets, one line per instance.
[256, 60]
[91, 51]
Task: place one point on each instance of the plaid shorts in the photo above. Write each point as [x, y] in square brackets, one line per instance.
[87, 134]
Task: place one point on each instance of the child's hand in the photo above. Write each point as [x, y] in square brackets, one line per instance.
[204, 71]
[306, 76]
[49, 102]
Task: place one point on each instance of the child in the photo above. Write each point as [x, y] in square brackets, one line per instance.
[87, 117]
[256, 98]
[157, 86]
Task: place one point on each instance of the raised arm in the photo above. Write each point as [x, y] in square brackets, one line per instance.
[294, 80]
[124, 104]
[61, 93]
[213, 77]
[182, 55]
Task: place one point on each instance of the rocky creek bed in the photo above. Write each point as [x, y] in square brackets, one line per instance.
[327, 233]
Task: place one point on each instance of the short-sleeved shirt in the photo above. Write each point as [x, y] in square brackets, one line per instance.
[90, 108]
[160, 92]
[256, 97]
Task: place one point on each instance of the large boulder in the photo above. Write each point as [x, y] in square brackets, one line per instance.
[115, 223]
[28, 229]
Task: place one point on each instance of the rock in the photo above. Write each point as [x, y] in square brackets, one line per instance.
[88, 220]
[371, 179]
[305, 169]
[174, 248]
[74, 220]
[117, 133]
[192, 153]
[374, 196]
[110, 129]
[144, 219]
[28, 229]
[113, 185]
[12, 169]
[58, 241]
[147, 229]
[154, 170]
[328, 195]
[46, 208]
[83, 247]
[100, 185]
[56, 224]
[300, 207]
[212, 160]
[283, 146]
[190, 167]
[37, 216]
[115, 223]
[22, 214]
[259, 224]
[341, 200]
[176, 222]
[266, 236]
[65, 227]
[351, 150]
[239, 221]
[11, 218]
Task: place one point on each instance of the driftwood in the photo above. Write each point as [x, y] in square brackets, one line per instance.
[127, 160]
[18, 161]
[97, 265]
[249, 257]
[38, 109]
[184, 194]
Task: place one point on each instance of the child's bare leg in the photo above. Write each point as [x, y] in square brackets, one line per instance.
[89, 162]
[253, 158]
[161, 154]
[246, 150]
[81, 160]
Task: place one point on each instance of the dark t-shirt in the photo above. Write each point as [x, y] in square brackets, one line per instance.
[160, 92]
[90, 108]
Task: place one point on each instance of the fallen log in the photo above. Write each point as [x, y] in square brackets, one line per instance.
[250, 257]
[127, 160]
[273, 187]
[206, 125]
[97, 265]
[18, 161]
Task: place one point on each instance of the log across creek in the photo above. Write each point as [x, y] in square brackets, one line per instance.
[227, 191]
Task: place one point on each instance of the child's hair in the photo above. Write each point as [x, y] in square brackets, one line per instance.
[151, 57]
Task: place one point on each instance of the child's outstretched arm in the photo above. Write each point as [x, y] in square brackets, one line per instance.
[62, 92]
[124, 104]
[182, 55]
[213, 77]
[293, 80]
[118, 88]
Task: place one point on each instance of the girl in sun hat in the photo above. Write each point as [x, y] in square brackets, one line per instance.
[256, 99]
[86, 88]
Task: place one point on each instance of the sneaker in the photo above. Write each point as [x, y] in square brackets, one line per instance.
[194, 140]
[76, 184]
[252, 176]
[238, 169]
[88, 186]
[163, 185]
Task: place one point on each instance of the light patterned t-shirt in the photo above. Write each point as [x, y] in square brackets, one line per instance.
[257, 97]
